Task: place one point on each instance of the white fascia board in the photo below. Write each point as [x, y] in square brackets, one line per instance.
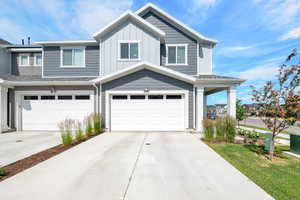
[52, 83]
[67, 42]
[192, 31]
[125, 15]
[25, 49]
[145, 65]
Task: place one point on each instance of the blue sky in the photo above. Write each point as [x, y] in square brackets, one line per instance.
[254, 36]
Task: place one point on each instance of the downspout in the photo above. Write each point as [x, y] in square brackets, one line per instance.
[194, 107]
[96, 98]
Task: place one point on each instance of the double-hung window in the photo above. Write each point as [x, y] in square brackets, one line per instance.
[38, 59]
[176, 54]
[24, 60]
[72, 57]
[129, 50]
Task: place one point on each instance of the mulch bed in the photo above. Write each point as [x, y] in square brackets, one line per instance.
[28, 162]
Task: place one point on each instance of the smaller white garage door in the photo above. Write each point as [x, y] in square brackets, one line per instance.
[44, 112]
[148, 112]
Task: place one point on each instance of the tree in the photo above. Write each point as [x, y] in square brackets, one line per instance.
[279, 106]
[240, 111]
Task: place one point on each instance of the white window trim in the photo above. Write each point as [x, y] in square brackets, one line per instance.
[129, 41]
[167, 54]
[20, 59]
[34, 62]
[72, 66]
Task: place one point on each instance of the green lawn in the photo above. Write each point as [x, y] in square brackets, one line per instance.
[265, 129]
[280, 178]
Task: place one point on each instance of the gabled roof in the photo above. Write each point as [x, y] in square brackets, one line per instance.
[125, 16]
[149, 66]
[190, 31]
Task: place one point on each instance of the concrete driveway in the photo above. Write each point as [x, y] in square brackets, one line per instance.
[18, 145]
[133, 167]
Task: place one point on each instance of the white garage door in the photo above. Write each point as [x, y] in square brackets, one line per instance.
[147, 112]
[46, 111]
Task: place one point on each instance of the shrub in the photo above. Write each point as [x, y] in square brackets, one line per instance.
[66, 128]
[2, 172]
[220, 129]
[229, 127]
[208, 129]
[79, 134]
[88, 126]
[97, 123]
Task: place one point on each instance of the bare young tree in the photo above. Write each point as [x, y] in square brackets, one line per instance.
[279, 106]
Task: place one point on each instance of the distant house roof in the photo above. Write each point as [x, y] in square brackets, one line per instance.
[4, 42]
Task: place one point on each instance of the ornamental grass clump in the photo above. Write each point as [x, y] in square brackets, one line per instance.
[2, 172]
[230, 128]
[208, 130]
[88, 126]
[220, 129]
[66, 127]
[96, 117]
[79, 133]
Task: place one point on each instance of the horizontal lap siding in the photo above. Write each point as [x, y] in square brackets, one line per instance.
[148, 79]
[52, 63]
[175, 36]
[25, 70]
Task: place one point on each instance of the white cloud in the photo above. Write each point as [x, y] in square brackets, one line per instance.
[198, 4]
[260, 73]
[229, 50]
[279, 13]
[292, 34]
[92, 15]
[13, 31]
[59, 19]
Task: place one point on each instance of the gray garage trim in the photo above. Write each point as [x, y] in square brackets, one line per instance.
[151, 80]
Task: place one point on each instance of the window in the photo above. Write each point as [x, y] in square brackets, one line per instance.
[173, 96]
[72, 57]
[176, 54]
[65, 97]
[120, 97]
[137, 97]
[48, 97]
[129, 50]
[24, 60]
[30, 97]
[156, 97]
[82, 97]
[38, 60]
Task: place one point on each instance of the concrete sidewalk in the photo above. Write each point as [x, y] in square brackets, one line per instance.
[134, 167]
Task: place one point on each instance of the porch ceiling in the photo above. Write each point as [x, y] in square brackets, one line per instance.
[212, 90]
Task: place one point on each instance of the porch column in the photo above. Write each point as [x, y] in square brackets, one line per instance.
[205, 107]
[231, 101]
[199, 107]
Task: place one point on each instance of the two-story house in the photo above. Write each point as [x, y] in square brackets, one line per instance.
[145, 71]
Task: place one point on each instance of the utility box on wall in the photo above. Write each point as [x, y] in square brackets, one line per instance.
[295, 143]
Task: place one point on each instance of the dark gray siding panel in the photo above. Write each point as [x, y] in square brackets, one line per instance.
[24, 70]
[11, 105]
[152, 80]
[175, 36]
[52, 63]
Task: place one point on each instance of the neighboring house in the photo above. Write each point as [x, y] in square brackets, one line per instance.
[218, 109]
[145, 71]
